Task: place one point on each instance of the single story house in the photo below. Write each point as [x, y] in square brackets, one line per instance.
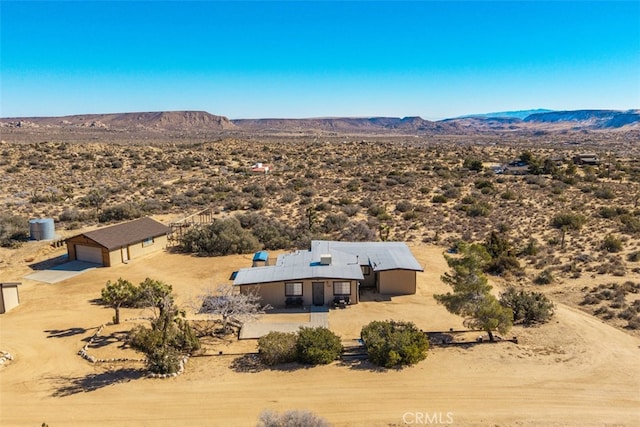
[586, 159]
[331, 271]
[9, 297]
[118, 243]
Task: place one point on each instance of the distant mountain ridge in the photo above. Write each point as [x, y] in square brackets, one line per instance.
[204, 122]
[520, 114]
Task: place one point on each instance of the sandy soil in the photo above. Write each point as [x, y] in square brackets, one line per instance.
[574, 371]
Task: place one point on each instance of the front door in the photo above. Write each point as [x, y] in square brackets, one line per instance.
[125, 254]
[318, 293]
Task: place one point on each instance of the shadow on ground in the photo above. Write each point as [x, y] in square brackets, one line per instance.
[251, 363]
[63, 333]
[92, 382]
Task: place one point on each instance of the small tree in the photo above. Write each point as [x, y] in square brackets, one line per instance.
[230, 304]
[278, 347]
[318, 346]
[119, 294]
[155, 293]
[392, 343]
[471, 296]
[167, 341]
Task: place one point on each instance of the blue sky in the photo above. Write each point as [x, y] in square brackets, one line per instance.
[317, 59]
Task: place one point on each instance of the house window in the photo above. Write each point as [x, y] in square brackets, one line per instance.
[293, 289]
[342, 288]
[366, 270]
[147, 242]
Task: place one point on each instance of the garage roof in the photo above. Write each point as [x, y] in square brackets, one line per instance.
[127, 233]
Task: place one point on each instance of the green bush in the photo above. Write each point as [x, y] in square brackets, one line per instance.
[13, 230]
[391, 343]
[634, 256]
[611, 243]
[318, 346]
[439, 198]
[278, 347]
[544, 278]
[527, 307]
[222, 237]
[568, 220]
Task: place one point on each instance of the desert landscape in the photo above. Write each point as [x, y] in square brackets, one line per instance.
[572, 231]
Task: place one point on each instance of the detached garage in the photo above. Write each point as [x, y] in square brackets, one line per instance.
[119, 243]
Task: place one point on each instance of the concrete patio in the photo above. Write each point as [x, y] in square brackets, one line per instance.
[318, 316]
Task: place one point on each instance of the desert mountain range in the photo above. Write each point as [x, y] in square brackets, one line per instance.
[202, 121]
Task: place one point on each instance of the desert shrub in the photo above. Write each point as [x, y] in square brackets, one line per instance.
[359, 232]
[404, 206]
[527, 307]
[634, 256]
[292, 418]
[508, 195]
[477, 209]
[439, 198]
[568, 220]
[630, 223]
[13, 230]
[611, 212]
[350, 210]
[633, 323]
[472, 164]
[531, 248]
[604, 193]
[544, 278]
[278, 347]
[611, 243]
[335, 222]
[222, 237]
[391, 343]
[318, 346]
[483, 183]
[121, 212]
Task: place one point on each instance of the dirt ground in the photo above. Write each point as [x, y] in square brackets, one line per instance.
[574, 371]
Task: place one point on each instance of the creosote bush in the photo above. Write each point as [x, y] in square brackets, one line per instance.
[527, 307]
[394, 343]
[318, 346]
[278, 347]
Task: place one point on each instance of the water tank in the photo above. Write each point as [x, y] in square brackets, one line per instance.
[42, 229]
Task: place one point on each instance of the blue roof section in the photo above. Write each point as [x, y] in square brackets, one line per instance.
[346, 259]
[261, 256]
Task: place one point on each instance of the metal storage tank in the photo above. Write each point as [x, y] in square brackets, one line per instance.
[42, 229]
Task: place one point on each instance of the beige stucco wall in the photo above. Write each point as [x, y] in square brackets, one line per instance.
[397, 282]
[137, 250]
[273, 293]
[8, 298]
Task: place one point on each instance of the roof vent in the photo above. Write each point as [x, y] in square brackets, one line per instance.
[325, 259]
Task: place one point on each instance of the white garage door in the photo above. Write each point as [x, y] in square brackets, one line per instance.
[89, 254]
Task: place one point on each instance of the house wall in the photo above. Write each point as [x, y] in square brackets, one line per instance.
[397, 282]
[8, 298]
[138, 249]
[273, 293]
[81, 240]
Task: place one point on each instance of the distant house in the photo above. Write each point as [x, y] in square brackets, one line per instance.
[516, 167]
[332, 271]
[260, 168]
[586, 159]
[9, 297]
[119, 243]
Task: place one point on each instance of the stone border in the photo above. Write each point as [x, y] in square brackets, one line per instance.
[5, 357]
[83, 352]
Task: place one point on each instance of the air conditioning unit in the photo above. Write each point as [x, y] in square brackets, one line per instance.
[325, 259]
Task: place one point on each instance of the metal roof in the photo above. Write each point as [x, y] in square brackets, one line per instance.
[127, 233]
[261, 256]
[346, 261]
[379, 256]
